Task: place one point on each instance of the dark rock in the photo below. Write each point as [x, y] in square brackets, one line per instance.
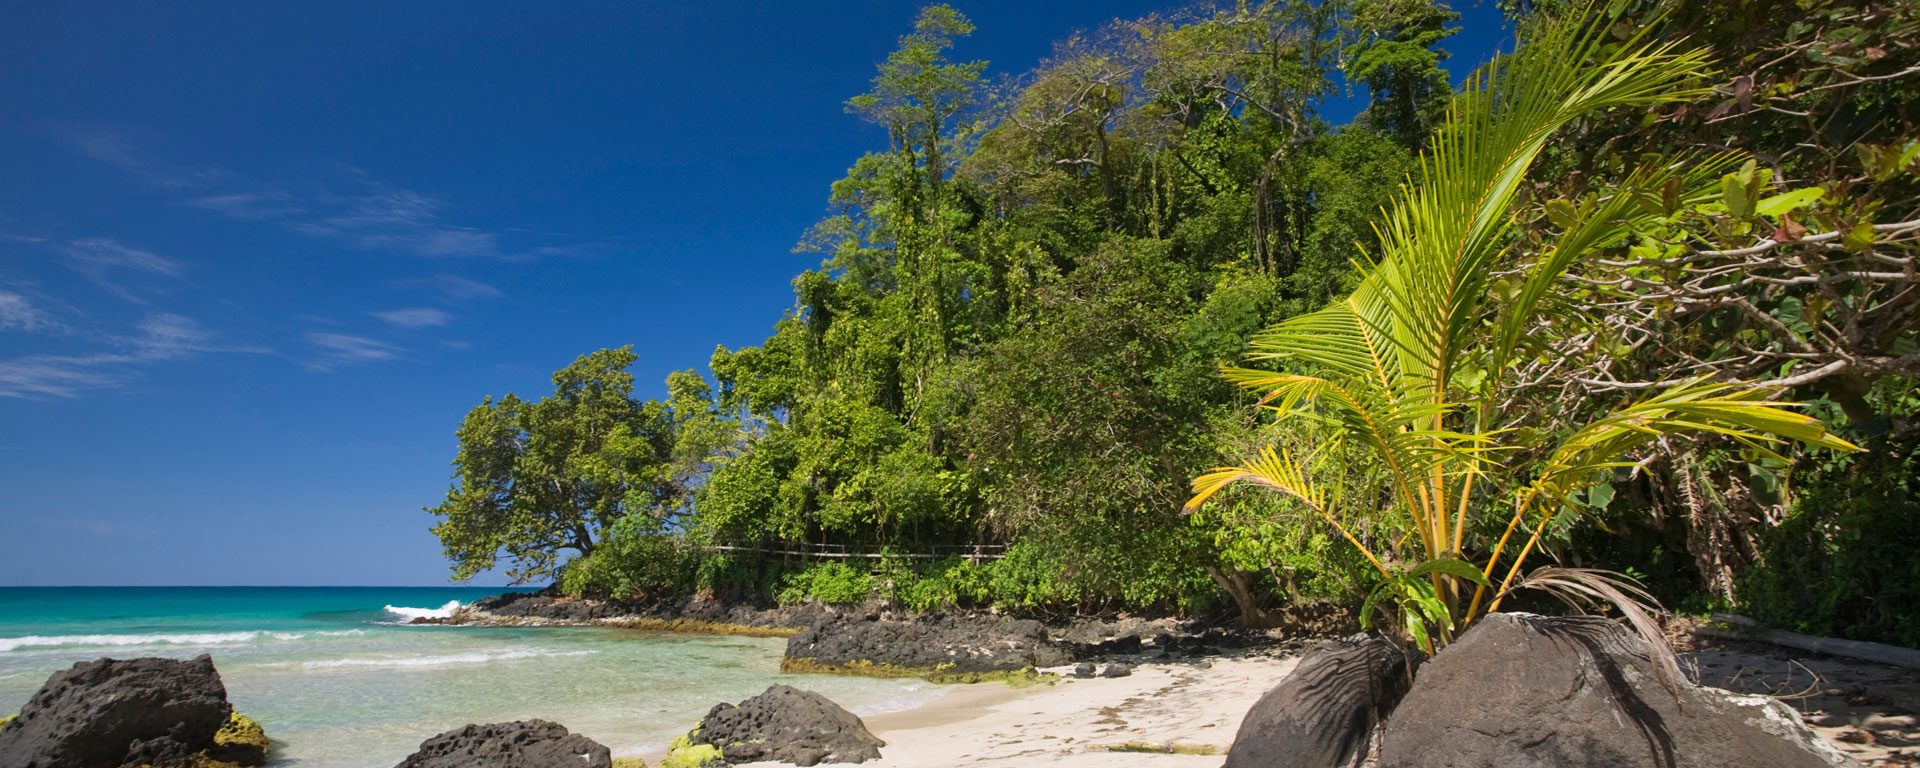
[788, 725]
[524, 744]
[110, 712]
[1083, 670]
[549, 607]
[947, 643]
[1524, 691]
[1324, 714]
[1116, 669]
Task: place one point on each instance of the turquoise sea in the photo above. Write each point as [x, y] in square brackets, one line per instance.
[338, 679]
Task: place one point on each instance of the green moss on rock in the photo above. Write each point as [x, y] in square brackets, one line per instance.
[684, 753]
[241, 743]
[697, 627]
[1017, 678]
[1169, 748]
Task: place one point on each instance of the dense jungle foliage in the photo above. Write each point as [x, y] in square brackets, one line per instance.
[1025, 302]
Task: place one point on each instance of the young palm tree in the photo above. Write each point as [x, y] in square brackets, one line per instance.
[1390, 365]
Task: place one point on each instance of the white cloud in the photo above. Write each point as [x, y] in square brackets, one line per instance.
[17, 313]
[157, 338]
[456, 288]
[341, 348]
[351, 205]
[417, 317]
[100, 259]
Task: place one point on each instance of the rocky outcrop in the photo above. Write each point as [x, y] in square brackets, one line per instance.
[112, 712]
[788, 725]
[547, 608]
[1524, 691]
[1325, 713]
[943, 643]
[523, 744]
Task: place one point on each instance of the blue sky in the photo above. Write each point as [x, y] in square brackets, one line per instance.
[257, 259]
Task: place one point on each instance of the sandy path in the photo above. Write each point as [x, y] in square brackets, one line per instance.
[1072, 722]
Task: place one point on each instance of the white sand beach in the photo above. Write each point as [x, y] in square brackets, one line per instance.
[1076, 722]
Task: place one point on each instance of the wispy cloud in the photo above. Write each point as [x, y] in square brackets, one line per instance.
[157, 338]
[454, 287]
[101, 258]
[417, 317]
[346, 349]
[18, 313]
[350, 205]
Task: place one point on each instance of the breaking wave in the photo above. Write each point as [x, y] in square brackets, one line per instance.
[409, 614]
[205, 638]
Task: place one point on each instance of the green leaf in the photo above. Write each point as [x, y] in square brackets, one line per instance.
[1860, 237]
[1782, 204]
[1562, 213]
[1456, 568]
[1733, 191]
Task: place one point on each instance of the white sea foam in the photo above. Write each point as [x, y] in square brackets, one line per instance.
[410, 614]
[204, 638]
[438, 661]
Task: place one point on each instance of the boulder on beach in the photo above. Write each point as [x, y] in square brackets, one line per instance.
[953, 644]
[788, 725]
[1324, 714]
[1525, 691]
[523, 744]
[110, 712]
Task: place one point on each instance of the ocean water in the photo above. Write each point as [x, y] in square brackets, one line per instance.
[338, 679]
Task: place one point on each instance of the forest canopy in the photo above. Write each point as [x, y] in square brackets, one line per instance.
[1015, 339]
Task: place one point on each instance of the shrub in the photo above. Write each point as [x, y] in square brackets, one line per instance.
[632, 564]
[1842, 563]
[830, 583]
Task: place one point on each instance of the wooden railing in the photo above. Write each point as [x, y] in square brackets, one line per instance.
[804, 551]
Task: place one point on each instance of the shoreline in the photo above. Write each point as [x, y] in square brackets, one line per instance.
[1182, 713]
[1194, 706]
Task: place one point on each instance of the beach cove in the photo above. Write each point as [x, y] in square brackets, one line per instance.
[340, 680]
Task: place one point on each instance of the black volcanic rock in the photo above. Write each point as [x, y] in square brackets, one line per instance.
[109, 712]
[1524, 691]
[955, 644]
[1325, 712]
[523, 744]
[788, 725]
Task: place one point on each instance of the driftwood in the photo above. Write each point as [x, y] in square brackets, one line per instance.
[1744, 628]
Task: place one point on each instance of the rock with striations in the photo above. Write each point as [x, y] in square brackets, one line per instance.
[109, 712]
[1525, 691]
[788, 725]
[523, 744]
[946, 643]
[1324, 714]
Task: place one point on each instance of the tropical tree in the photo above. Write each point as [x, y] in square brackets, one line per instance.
[535, 479]
[1408, 367]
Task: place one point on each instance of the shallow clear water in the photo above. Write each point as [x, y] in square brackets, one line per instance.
[338, 680]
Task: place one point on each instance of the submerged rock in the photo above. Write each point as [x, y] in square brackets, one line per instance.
[1524, 691]
[112, 712]
[523, 744]
[1323, 714]
[946, 643]
[788, 725]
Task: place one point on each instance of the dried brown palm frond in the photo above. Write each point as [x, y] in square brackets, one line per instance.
[1593, 590]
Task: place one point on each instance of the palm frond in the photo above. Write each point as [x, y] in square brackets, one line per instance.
[1591, 590]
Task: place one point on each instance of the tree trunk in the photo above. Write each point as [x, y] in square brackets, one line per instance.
[1253, 610]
